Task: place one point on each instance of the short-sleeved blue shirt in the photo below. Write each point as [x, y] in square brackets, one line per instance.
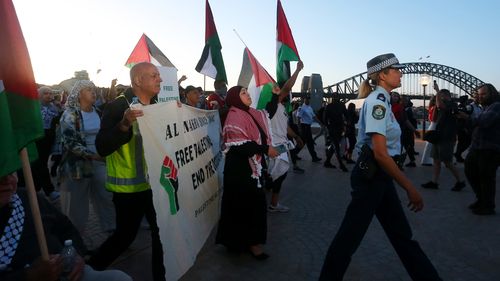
[376, 117]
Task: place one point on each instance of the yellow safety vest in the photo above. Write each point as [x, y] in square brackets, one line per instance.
[126, 167]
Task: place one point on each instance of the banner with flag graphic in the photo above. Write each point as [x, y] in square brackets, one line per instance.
[211, 63]
[286, 51]
[184, 158]
[20, 116]
[256, 79]
[147, 51]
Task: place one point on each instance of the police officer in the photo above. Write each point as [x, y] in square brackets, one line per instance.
[377, 196]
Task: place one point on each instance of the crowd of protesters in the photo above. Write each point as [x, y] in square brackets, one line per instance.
[88, 132]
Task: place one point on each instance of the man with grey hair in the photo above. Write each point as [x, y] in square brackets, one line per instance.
[120, 141]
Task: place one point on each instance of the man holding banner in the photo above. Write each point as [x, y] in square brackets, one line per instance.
[120, 141]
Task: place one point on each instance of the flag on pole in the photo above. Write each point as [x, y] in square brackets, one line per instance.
[20, 116]
[256, 79]
[286, 50]
[211, 63]
[146, 51]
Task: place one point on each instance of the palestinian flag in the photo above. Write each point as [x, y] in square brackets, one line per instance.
[256, 79]
[20, 117]
[146, 51]
[211, 63]
[286, 50]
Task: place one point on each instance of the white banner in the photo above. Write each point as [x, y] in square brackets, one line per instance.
[169, 86]
[182, 151]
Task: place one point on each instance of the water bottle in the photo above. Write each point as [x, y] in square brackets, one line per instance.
[68, 255]
[135, 104]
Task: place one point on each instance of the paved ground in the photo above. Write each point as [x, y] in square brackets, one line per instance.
[461, 245]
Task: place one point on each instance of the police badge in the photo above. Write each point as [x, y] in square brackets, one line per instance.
[378, 112]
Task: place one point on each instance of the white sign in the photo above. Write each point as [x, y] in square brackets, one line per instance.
[169, 86]
[184, 159]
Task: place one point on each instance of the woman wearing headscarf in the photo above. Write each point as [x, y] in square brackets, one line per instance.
[243, 221]
[83, 170]
[374, 194]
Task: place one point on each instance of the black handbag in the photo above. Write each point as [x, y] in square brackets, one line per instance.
[432, 136]
[367, 163]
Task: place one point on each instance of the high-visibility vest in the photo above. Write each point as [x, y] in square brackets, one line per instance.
[126, 167]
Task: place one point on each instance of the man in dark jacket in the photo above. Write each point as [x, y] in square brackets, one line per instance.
[120, 141]
[484, 155]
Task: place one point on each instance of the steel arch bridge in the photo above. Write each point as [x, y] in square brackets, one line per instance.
[459, 78]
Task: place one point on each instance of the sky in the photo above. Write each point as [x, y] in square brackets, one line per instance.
[334, 38]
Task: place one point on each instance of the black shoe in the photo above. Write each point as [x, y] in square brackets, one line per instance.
[416, 153]
[458, 186]
[428, 165]
[411, 164]
[329, 165]
[459, 158]
[483, 211]
[474, 205]
[430, 185]
[298, 158]
[344, 168]
[349, 161]
[317, 159]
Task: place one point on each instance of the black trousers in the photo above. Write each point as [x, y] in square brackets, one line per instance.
[408, 142]
[333, 146]
[463, 142]
[306, 135]
[294, 152]
[377, 197]
[130, 209]
[480, 170]
[39, 168]
[275, 185]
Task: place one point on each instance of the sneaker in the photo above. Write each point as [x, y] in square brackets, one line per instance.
[411, 164]
[458, 186]
[430, 185]
[278, 208]
[54, 195]
[298, 170]
[329, 165]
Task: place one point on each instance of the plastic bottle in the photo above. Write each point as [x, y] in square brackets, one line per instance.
[135, 104]
[68, 255]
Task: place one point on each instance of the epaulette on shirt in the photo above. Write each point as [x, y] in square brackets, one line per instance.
[381, 97]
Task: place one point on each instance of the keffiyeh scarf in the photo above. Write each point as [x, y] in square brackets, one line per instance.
[12, 233]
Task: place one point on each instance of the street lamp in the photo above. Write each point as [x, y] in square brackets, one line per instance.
[424, 81]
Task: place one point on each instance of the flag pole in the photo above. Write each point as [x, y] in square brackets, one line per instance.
[240, 37]
[35, 210]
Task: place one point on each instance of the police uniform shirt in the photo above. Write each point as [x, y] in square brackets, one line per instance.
[376, 117]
